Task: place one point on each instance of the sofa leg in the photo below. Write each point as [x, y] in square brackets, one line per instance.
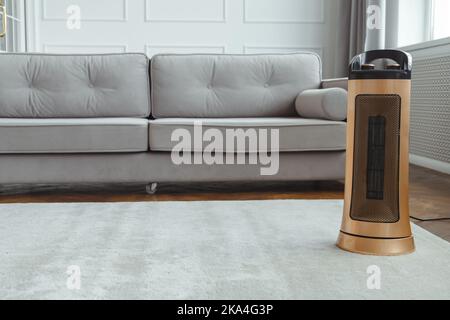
[151, 188]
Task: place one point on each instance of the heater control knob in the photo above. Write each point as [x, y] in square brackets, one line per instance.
[394, 66]
[368, 66]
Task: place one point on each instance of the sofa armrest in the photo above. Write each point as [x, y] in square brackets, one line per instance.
[335, 83]
[327, 104]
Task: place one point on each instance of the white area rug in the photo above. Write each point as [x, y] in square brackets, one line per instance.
[203, 250]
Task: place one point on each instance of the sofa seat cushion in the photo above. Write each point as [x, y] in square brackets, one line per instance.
[95, 135]
[295, 134]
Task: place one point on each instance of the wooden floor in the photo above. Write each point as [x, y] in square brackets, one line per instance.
[430, 200]
[429, 194]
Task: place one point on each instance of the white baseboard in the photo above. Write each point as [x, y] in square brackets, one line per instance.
[430, 163]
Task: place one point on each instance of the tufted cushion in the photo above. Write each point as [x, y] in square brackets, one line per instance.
[227, 86]
[81, 86]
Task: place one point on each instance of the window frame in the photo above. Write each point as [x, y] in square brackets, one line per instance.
[14, 40]
[431, 23]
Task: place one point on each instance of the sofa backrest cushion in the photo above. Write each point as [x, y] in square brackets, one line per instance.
[227, 86]
[74, 86]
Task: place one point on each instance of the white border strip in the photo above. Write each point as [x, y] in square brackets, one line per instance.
[430, 163]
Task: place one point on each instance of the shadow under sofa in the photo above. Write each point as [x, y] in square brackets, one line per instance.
[109, 118]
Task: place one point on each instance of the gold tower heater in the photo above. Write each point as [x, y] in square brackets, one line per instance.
[376, 211]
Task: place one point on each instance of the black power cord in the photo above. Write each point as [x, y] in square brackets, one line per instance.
[428, 220]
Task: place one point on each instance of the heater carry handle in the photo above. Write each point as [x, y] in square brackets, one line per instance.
[365, 66]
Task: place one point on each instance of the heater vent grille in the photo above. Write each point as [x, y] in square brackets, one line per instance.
[376, 157]
[375, 194]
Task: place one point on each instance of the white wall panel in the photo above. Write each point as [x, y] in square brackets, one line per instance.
[151, 50]
[185, 26]
[91, 10]
[185, 11]
[89, 49]
[284, 11]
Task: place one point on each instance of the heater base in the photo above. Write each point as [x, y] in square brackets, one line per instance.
[375, 246]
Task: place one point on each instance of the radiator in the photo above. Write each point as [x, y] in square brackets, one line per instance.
[430, 105]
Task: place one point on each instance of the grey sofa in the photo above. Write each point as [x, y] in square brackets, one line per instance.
[109, 118]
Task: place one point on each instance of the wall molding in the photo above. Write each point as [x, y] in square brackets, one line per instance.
[45, 17]
[147, 47]
[47, 46]
[321, 20]
[430, 163]
[293, 48]
[32, 31]
[223, 19]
